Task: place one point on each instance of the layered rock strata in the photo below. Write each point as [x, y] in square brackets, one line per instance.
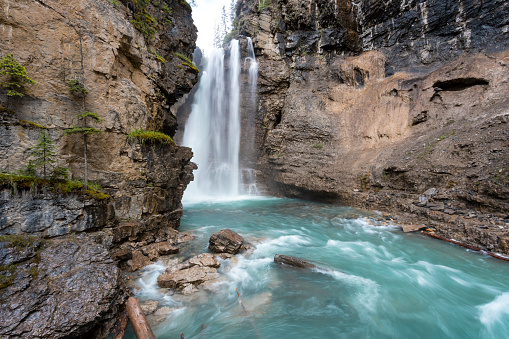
[132, 79]
[373, 103]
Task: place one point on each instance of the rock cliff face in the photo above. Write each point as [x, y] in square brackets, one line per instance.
[131, 57]
[373, 103]
[44, 285]
[132, 75]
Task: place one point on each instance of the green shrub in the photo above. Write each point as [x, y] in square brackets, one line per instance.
[17, 76]
[153, 137]
[76, 87]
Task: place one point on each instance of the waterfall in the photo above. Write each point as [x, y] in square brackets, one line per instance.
[253, 67]
[249, 174]
[213, 129]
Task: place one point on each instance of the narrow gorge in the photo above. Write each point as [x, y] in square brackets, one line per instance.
[138, 162]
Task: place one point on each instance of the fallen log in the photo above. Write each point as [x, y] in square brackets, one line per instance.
[120, 326]
[470, 247]
[138, 321]
[293, 261]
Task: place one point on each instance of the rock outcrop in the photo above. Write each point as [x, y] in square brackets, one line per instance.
[372, 103]
[190, 274]
[132, 76]
[225, 241]
[68, 287]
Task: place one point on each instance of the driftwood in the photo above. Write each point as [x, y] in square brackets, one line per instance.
[470, 247]
[138, 321]
[292, 261]
[120, 326]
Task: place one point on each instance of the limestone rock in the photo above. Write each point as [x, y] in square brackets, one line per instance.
[149, 307]
[73, 289]
[154, 251]
[138, 261]
[225, 241]
[411, 228]
[180, 279]
[205, 259]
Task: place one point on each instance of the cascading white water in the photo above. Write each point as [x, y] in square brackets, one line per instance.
[213, 129]
[253, 67]
[248, 174]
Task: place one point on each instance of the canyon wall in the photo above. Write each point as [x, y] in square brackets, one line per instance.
[132, 57]
[396, 105]
[132, 76]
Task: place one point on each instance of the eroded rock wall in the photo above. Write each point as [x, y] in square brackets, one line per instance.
[131, 80]
[373, 103]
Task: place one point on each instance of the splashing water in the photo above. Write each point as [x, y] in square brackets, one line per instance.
[377, 282]
[213, 128]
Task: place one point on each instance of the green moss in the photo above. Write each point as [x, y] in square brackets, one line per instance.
[186, 4]
[16, 181]
[263, 4]
[19, 241]
[6, 280]
[153, 137]
[30, 124]
[6, 110]
[187, 62]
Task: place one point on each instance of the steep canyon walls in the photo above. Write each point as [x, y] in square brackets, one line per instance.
[134, 70]
[375, 103]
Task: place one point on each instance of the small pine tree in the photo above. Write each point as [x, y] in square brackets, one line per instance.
[44, 154]
[17, 76]
[85, 131]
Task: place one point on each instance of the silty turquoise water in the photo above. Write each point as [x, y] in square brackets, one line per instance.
[377, 282]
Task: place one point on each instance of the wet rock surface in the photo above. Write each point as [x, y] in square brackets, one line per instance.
[131, 81]
[68, 287]
[356, 108]
[225, 241]
[187, 276]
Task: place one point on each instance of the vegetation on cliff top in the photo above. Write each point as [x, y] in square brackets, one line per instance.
[151, 137]
[29, 182]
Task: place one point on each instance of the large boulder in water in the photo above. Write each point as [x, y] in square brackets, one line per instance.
[68, 288]
[225, 241]
[195, 271]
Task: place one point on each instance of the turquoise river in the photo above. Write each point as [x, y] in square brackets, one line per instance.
[378, 283]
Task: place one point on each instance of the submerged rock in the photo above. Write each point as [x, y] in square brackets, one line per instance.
[292, 261]
[225, 241]
[69, 288]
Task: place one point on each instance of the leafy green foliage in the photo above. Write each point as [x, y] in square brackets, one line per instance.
[187, 62]
[82, 130]
[76, 86]
[153, 137]
[44, 153]
[147, 19]
[60, 173]
[93, 116]
[17, 76]
[262, 4]
[19, 181]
